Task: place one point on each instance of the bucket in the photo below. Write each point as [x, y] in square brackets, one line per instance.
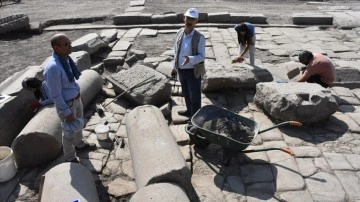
[7, 165]
[102, 132]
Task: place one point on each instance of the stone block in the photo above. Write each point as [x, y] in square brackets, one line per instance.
[157, 19]
[81, 59]
[13, 22]
[217, 78]
[170, 18]
[312, 19]
[220, 17]
[90, 43]
[144, 85]
[248, 17]
[303, 102]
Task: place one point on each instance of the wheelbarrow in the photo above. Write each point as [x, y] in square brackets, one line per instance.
[212, 124]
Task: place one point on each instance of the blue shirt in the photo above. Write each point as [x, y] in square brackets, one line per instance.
[45, 95]
[186, 50]
[250, 28]
[60, 88]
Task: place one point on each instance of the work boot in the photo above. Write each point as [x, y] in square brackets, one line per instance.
[75, 160]
[87, 147]
[184, 113]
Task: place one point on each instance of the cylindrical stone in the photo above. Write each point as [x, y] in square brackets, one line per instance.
[40, 140]
[69, 182]
[155, 154]
[160, 192]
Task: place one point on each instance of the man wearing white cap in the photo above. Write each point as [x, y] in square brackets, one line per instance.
[189, 56]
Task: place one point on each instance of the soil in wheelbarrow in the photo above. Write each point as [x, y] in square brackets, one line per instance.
[231, 129]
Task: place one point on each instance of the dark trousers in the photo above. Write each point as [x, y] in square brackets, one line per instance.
[191, 88]
[316, 79]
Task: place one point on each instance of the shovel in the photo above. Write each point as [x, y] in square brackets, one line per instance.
[100, 108]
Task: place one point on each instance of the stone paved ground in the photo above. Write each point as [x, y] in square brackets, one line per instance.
[326, 162]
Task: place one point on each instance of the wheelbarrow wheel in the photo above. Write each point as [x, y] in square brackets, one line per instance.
[196, 138]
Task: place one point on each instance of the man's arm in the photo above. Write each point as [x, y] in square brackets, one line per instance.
[200, 57]
[53, 81]
[304, 77]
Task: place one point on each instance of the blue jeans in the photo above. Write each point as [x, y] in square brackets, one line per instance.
[191, 88]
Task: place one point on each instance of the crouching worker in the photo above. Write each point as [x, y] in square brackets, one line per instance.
[40, 90]
[319, 69]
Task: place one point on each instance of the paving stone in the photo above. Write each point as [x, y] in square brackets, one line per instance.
[94, 165]
[132, 33]
[234, 184]
[296, 196]
[120, 187]
[256, 157]
[137, 3]
[148, 32]
[351, 183]
[348, 55]
[350, 123]
[329, 191]
[353, 159]
[306, 151]
[337, 161]
[181, 137]
[256, 173]
[287, 176]
[208, 187]
[276, 155]
[306, 166]
[127, 168]
[185, 150]
[221, 54]
[122, 46]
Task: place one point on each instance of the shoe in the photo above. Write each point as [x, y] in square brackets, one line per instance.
[87, 147]
[184, 113]
[75, 160]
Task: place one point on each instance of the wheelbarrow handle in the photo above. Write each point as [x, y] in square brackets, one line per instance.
[293, 123]
[194, 134]
[285, 149]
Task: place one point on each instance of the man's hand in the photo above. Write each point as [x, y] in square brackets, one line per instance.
[70, 118]
[186, 60]
[173, 73]
[238, 59]
[35, 105]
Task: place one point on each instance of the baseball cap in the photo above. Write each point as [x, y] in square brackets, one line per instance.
[192, 12]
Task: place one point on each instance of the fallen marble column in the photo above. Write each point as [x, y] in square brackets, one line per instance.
[15, 110]
[155, 154]
[40, 140]
[160, 192]
[69, 182]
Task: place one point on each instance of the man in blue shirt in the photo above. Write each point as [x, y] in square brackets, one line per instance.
[246, 39]
[60, 73]
[189, 56]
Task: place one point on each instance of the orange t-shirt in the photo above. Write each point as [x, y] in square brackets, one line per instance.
[322, 66]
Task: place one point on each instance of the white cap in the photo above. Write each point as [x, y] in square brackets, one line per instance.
[192, 12]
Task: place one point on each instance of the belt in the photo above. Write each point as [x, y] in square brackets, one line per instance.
[75, 98]
[192, 69]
